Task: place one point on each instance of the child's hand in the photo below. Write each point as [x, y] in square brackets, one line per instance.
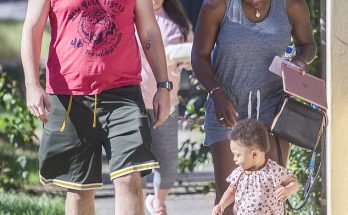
[218, 210]
[282, 193]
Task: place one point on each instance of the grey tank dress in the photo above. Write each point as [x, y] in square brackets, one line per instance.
[241, 58]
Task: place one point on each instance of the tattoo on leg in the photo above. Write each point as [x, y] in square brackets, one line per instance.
[147, 44]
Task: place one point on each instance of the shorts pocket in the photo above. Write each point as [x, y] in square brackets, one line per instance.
[209, 105]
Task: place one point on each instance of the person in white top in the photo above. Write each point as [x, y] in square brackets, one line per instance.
[175, 29]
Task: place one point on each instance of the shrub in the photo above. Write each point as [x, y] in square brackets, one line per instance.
[17, 129]
[17, 125]
[21, 204]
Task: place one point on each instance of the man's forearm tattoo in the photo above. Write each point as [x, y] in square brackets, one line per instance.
[147, 44]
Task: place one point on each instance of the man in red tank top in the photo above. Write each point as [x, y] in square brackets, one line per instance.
[92, 97]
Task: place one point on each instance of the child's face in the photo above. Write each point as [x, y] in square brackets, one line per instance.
[242, 155]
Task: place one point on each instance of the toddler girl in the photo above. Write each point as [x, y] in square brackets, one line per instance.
[258, 186]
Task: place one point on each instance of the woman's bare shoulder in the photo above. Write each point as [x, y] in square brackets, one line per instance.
[297, 9]
[295, 5]
[215, 5]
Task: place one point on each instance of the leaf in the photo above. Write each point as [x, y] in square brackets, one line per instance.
[22, 160]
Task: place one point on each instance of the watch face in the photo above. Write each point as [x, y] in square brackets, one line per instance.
[166, 84]
[170, 85]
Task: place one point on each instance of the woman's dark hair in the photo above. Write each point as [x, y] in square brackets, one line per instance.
[177, 14]
[251, 133]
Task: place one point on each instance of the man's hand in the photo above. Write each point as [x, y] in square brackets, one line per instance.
[282, 193]
[218, 210]
[161, 106]
[37, 102]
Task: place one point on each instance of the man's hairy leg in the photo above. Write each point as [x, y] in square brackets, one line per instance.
[80, 202]
[128, 195]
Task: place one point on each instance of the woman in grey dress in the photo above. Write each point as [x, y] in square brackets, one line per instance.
[235, 42]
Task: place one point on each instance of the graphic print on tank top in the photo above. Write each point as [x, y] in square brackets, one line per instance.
[97, 27]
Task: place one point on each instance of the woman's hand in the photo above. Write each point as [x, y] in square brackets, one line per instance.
[224, 108]
[299, 61]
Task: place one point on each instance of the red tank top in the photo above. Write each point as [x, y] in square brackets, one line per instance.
[93, 46]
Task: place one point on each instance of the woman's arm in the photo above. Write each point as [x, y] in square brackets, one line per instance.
[151, 40]
[302, 32]
[209, 20]
[208, 26]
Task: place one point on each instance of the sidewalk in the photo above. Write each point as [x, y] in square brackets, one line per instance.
[179, 202]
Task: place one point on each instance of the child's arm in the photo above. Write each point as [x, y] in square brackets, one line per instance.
[226, 200]
[288, 188]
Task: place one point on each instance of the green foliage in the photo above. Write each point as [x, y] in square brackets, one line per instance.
[314, 7]
[12, 170]
[16, 123]
[299, 161]
[192, 153]
[17, 128]
[21, 204]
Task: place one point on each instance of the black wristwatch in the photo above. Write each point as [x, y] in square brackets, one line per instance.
[165, 84]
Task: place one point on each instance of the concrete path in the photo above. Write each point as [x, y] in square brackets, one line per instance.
[177, 204]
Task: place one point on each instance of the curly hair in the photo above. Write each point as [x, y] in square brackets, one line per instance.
[251, 133]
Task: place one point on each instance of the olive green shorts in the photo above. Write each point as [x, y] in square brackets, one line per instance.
[79, 127]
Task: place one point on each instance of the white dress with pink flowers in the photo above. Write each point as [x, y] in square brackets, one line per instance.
[255, 190]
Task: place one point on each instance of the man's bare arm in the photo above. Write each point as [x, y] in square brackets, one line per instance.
[33, 29]
[150, 38]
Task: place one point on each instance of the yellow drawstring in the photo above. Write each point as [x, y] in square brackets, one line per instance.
[68, 112]
[95, 112]
[66, 115]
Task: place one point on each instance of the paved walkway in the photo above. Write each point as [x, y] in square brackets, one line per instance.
[177, 204]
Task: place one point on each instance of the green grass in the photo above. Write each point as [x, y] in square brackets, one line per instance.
[10, 40]
[22, 204]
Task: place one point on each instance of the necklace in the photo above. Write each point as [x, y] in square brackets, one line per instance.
[257, 14]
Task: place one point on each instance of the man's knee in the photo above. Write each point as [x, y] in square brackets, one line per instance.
[80, 195]
[131, 180]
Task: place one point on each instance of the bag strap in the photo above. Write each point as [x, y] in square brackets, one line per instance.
[279, 150]
[312, 177]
